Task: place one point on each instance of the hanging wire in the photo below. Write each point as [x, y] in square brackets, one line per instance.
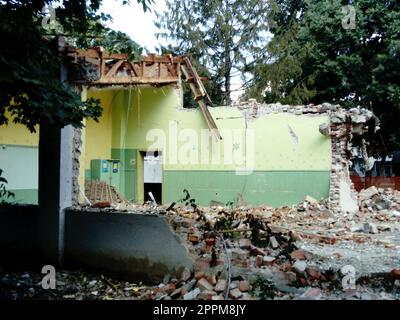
[127, 116]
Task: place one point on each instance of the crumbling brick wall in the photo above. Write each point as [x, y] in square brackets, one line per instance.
[344, 125]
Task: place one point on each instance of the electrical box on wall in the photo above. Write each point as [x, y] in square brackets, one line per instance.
[108, 170]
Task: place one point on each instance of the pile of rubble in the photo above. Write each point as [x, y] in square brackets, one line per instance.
[305, 251]
[342, 127]
[70, 285]
[384, 201]
[243, 253]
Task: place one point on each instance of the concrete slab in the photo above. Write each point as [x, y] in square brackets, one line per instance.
[129, 246]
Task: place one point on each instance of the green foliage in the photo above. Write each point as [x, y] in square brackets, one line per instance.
[224, 35]
[30, 86]
[263, 289]
[314, 59]
[4, 193]
[119, 42]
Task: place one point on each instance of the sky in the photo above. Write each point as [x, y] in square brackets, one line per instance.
[133, 21]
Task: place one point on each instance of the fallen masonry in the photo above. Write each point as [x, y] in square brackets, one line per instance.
[235, 258]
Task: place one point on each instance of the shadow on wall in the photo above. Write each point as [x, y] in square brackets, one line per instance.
[134, 247]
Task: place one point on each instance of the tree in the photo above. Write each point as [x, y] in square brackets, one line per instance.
[225, 35]
[119, 42]
[212, 83]
[30, 88]
[316, 60]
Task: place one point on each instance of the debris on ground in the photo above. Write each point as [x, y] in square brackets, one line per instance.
[244, 253]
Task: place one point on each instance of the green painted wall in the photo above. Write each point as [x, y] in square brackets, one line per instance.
[289, 156]
[275, 188]
[25, 196]
[20, 166]
[128, 171]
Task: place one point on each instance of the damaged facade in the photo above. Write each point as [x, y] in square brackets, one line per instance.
[269, 154]
[254, 176]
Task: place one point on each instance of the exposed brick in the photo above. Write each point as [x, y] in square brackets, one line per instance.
[267, 260]
[203, 284]
[244, 243]
[220, 286]
[274, 244]
[199, 275]
[234, 285]
[186, 274]
[169, 288]
[314, 274]
[298, 255]
[257, 251]
[206, 295]
[244, 286]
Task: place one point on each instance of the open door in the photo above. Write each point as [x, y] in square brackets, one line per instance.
[151, 171]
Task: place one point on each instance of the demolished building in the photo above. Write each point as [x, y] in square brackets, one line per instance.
[245, 155]
[146, 140]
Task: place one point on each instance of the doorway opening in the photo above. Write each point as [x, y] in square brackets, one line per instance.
[152, 176]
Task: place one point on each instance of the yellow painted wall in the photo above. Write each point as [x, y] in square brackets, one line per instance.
[98, 134]
[17, 134]
[137, 113]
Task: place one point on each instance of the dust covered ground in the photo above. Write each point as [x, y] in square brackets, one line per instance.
[301, 252]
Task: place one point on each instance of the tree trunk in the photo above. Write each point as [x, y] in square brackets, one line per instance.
[228, 100]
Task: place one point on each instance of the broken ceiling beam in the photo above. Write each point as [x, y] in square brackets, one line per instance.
[200, 95]
[96, 66]
[133, 81]
[192, 73]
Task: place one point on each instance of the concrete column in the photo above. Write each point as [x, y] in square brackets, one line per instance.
[55, 188]
[55, 181]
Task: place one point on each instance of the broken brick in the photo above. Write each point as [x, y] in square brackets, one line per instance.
[303, 281]
[244, 286]
[395, 273]
[201, 265]
[234, 285]
[194, 238]
[220, 286]
[267, 260]
[168, 289]
[199, 275]
[298, 255]
[290, 276]
[186, 274]
[212, 279]
[257, 251]
[206, 295]
[312, 293]
[314, 274]
[235, 293]
[103, 204]
[273, 242]
[203, 284]
[244, 243]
